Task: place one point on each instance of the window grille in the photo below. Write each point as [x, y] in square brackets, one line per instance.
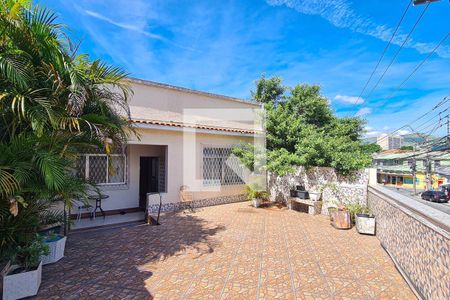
[102, 169]
[216, 171]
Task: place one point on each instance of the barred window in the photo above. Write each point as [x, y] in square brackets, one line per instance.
[216, 170]
[102, 169]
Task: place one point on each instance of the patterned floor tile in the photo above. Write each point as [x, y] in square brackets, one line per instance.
[229, 251]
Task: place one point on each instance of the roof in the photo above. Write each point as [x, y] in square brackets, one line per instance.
[400, 169]
[183, 89]
[151, 116]
[439, 155]
[393, 155]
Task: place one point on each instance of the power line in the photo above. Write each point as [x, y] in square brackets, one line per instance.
[384, 51]
[398, 51]
[417, 68]
[439, 104]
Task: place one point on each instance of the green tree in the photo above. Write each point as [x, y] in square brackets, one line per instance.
[54, 104]
[303, 130]
[371, 148]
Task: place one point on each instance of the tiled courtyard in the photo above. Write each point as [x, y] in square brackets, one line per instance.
[229, 251]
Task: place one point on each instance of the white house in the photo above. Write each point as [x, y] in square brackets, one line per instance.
[185, 138]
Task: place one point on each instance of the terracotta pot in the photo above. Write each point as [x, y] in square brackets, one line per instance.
[330, 212]
[340, 219]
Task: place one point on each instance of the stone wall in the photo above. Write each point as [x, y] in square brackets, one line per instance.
[417, 237]
[170, 207]
[352, 189]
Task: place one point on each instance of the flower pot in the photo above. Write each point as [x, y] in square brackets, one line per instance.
[56, 248]
[365, 224]
[257, 202]
[50, 228]
[330, 212]
[340, 219]
[21, 285]
[315, 196]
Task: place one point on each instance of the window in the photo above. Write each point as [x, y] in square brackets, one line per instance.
[217, 170]
[437, 163]
[102, 169]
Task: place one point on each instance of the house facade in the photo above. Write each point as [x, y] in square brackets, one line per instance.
[395, 168]
[182, 150]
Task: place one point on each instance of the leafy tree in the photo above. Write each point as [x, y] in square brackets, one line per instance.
[371, 148]
[407, 148]
[303, 130]
[54, 104]
[268, 90]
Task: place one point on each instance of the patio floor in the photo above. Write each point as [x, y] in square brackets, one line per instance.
[225, 252]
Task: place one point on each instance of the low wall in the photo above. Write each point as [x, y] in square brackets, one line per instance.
[352, 189]
[417, 237]
[170, 207]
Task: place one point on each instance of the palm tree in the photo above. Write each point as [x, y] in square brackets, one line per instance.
[54, 104]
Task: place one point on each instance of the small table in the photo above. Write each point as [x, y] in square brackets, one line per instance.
[98, 203]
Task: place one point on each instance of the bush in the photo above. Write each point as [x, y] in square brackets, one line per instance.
[254, 192]
[355, 209]
[28, 257]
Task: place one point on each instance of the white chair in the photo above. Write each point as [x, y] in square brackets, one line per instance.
[84, 207]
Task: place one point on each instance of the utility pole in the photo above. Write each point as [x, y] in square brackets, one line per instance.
[448, 130]
[414, 169]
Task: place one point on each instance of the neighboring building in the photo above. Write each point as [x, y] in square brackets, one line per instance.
[185, 138]
[389, 142]
[394, 168]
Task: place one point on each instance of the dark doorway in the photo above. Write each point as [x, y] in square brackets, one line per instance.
[148, 178]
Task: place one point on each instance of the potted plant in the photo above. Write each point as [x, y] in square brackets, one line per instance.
[339, 214]
[365, 222]
[50, 228]
[56, 244]
[340, 218]
[315, 196]
[256, 195]
[23, 277]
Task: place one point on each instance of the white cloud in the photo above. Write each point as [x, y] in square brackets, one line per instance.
[135, 28]
[124, 25]
[403, 132]
[349, 99]
[373, 133]
[386, 128]
[363, 111]
[368, 128]
[340, 14]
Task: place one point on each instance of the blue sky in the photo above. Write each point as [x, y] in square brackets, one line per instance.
[224, 46]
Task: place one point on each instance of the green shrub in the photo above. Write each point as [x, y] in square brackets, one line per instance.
[355, 209]
[254, 192]
[29, 256]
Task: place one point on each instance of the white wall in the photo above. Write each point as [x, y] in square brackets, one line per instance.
[127, 196]
[183, 163]
[176, 100]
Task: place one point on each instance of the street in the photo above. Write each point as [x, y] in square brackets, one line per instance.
[444, 207]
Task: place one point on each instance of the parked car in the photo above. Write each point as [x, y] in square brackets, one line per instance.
[446, 189]
[434, 196]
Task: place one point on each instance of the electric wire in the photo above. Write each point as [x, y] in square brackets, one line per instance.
[384, 51]
[398, 50]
